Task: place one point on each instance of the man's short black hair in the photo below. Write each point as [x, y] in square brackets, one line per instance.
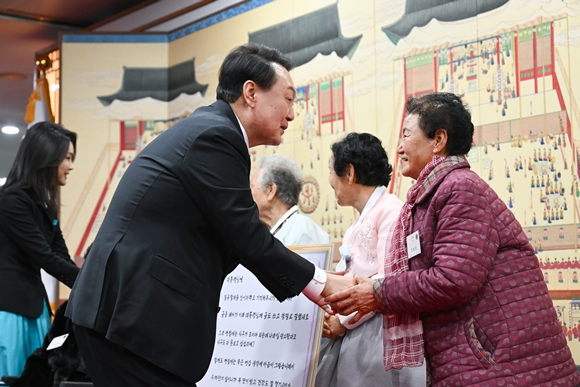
[250, 62]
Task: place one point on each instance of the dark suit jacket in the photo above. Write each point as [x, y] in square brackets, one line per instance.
[181, 219]
[30, 239]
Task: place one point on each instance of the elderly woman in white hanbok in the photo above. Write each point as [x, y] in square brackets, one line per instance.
[276, 186]
[353, 355]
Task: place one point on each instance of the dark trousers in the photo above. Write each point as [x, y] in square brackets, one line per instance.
[110, 365]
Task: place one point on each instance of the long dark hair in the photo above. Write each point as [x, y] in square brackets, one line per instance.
[35, 169]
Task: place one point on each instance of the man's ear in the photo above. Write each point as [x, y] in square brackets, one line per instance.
[249, 90]
[271, 191]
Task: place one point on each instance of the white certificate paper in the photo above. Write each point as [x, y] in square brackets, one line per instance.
[261, 341]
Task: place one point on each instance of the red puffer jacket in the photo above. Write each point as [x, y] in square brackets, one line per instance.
[487, 316]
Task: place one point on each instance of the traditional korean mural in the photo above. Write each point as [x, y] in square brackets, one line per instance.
[511, 60]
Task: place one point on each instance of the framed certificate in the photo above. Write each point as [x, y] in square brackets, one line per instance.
[261, 341]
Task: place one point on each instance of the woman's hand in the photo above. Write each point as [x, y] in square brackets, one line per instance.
[359, 298]
[332, 328]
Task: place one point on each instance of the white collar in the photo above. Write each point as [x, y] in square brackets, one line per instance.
[344, 249]
[289, 213]
[371, 202]
[243, 131]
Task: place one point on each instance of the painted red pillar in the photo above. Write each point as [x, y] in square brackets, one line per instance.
[517, 60]
[435, 80]
[534, 45]
[343, 107]
[319, 126]
[552, 56]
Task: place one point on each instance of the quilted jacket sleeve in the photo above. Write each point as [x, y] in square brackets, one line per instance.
[459, 241]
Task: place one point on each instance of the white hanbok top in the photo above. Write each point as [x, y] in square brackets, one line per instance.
[294, 229]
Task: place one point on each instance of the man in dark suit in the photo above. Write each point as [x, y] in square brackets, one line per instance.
[146, 300]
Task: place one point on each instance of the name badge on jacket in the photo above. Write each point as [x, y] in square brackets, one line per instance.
[413, 245]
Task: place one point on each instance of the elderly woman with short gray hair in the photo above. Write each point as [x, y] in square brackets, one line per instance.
[276, 185]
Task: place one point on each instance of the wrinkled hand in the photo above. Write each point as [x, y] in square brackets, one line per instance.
[332, 328]
[359, 299]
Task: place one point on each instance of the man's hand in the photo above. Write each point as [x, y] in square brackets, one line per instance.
[332, 328]
[359, 299]
[334, 283]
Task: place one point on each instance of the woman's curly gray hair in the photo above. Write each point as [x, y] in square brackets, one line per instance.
[282, 171]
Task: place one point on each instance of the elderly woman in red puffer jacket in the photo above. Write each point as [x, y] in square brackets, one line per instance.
[462, 289]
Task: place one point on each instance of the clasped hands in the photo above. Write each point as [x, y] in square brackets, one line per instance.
[344, 295]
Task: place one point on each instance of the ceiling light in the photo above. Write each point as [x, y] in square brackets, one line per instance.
[10, 130]
[2, 180]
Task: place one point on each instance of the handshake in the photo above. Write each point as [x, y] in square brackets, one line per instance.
[345, 295]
